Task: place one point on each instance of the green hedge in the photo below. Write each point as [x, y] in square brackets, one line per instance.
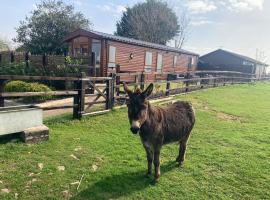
[21, 86]
[21, 69]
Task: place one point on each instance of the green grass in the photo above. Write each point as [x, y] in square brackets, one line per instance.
[227, 157]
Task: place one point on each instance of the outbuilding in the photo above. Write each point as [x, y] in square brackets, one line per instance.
[222, 60]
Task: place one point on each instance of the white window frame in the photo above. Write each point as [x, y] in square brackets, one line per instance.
[174, 61]
[112, 56]
[190, 63]
[192, 60]
[148, 61]
[159, 62]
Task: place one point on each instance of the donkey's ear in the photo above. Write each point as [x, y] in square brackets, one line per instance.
[148, 91]
[127, 90]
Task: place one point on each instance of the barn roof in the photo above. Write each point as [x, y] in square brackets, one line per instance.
[82, 32]
[236, 55]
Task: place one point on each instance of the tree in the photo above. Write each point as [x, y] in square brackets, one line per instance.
[48, 25]
[183, 32]
[4, 45]
[151, 21]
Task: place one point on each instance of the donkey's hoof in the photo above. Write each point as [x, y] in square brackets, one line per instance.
[177, 159]
[156, 180]
[157, 176]
[148, 175]
[180, 163]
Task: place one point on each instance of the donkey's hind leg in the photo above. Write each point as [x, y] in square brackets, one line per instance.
[182, 151]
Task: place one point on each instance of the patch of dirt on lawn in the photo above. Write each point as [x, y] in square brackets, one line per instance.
[228, 117]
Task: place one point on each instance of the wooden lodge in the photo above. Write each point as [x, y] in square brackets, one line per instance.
[130, 54]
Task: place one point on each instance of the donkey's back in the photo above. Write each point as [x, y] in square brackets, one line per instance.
[179, 119]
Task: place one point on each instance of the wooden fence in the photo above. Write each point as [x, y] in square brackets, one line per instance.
[108, 91]
[80, 84]
[49, 64]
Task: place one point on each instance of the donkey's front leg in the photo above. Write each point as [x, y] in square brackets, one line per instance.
[157, 163]
[149, 155]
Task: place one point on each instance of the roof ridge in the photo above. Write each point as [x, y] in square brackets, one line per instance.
[238, 55]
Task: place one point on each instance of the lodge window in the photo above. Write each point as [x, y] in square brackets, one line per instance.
[159, 62]
[80, 46]
[96, 48]
[112, 54]
[77, 51]
[84, 49]
[148, 61]
[174, 61]
[190, 62]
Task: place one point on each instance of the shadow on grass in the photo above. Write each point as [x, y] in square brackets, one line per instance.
[119, 185]
[15, 137]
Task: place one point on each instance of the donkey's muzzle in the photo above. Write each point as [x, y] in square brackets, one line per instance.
[134, 130]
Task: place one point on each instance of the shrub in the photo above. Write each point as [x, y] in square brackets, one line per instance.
[20, 69]
[21, 86]
[66, 70]
[17, 86]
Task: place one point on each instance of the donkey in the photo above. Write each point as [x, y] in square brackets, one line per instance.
[158, 126]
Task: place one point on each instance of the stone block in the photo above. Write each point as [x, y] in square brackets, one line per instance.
[35, 134]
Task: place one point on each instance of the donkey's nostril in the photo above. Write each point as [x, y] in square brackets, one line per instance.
[134, 130]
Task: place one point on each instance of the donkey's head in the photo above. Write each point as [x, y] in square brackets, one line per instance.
[137, 107]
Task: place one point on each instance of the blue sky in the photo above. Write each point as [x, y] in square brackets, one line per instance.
[237, 25]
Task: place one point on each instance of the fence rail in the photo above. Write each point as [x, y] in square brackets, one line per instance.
[108, 92]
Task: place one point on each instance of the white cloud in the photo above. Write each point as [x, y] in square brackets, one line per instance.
[112, 8]
[201, 6]
[104, 7]
[245, 5]
[201, 22]
[204, 6]
[120, 9]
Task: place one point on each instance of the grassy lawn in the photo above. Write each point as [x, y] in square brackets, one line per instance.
[228, 155]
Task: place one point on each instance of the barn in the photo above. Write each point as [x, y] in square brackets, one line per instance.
[130, 54]
[222, 60]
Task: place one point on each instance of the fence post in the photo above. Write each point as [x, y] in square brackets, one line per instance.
[117, 80]
[113, 89]
[168, 85]
[2, 84]
[12, 57]
[44, 65]
[142, 81]
[78, 110]
[109, 93]
[214, 82]
[187, 81]
[26, 59]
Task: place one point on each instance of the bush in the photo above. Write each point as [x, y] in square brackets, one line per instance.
[17, 86]
[21, 69]
[21, 86]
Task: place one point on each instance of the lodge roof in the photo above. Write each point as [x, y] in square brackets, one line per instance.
[82, 32]
[236, 55]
